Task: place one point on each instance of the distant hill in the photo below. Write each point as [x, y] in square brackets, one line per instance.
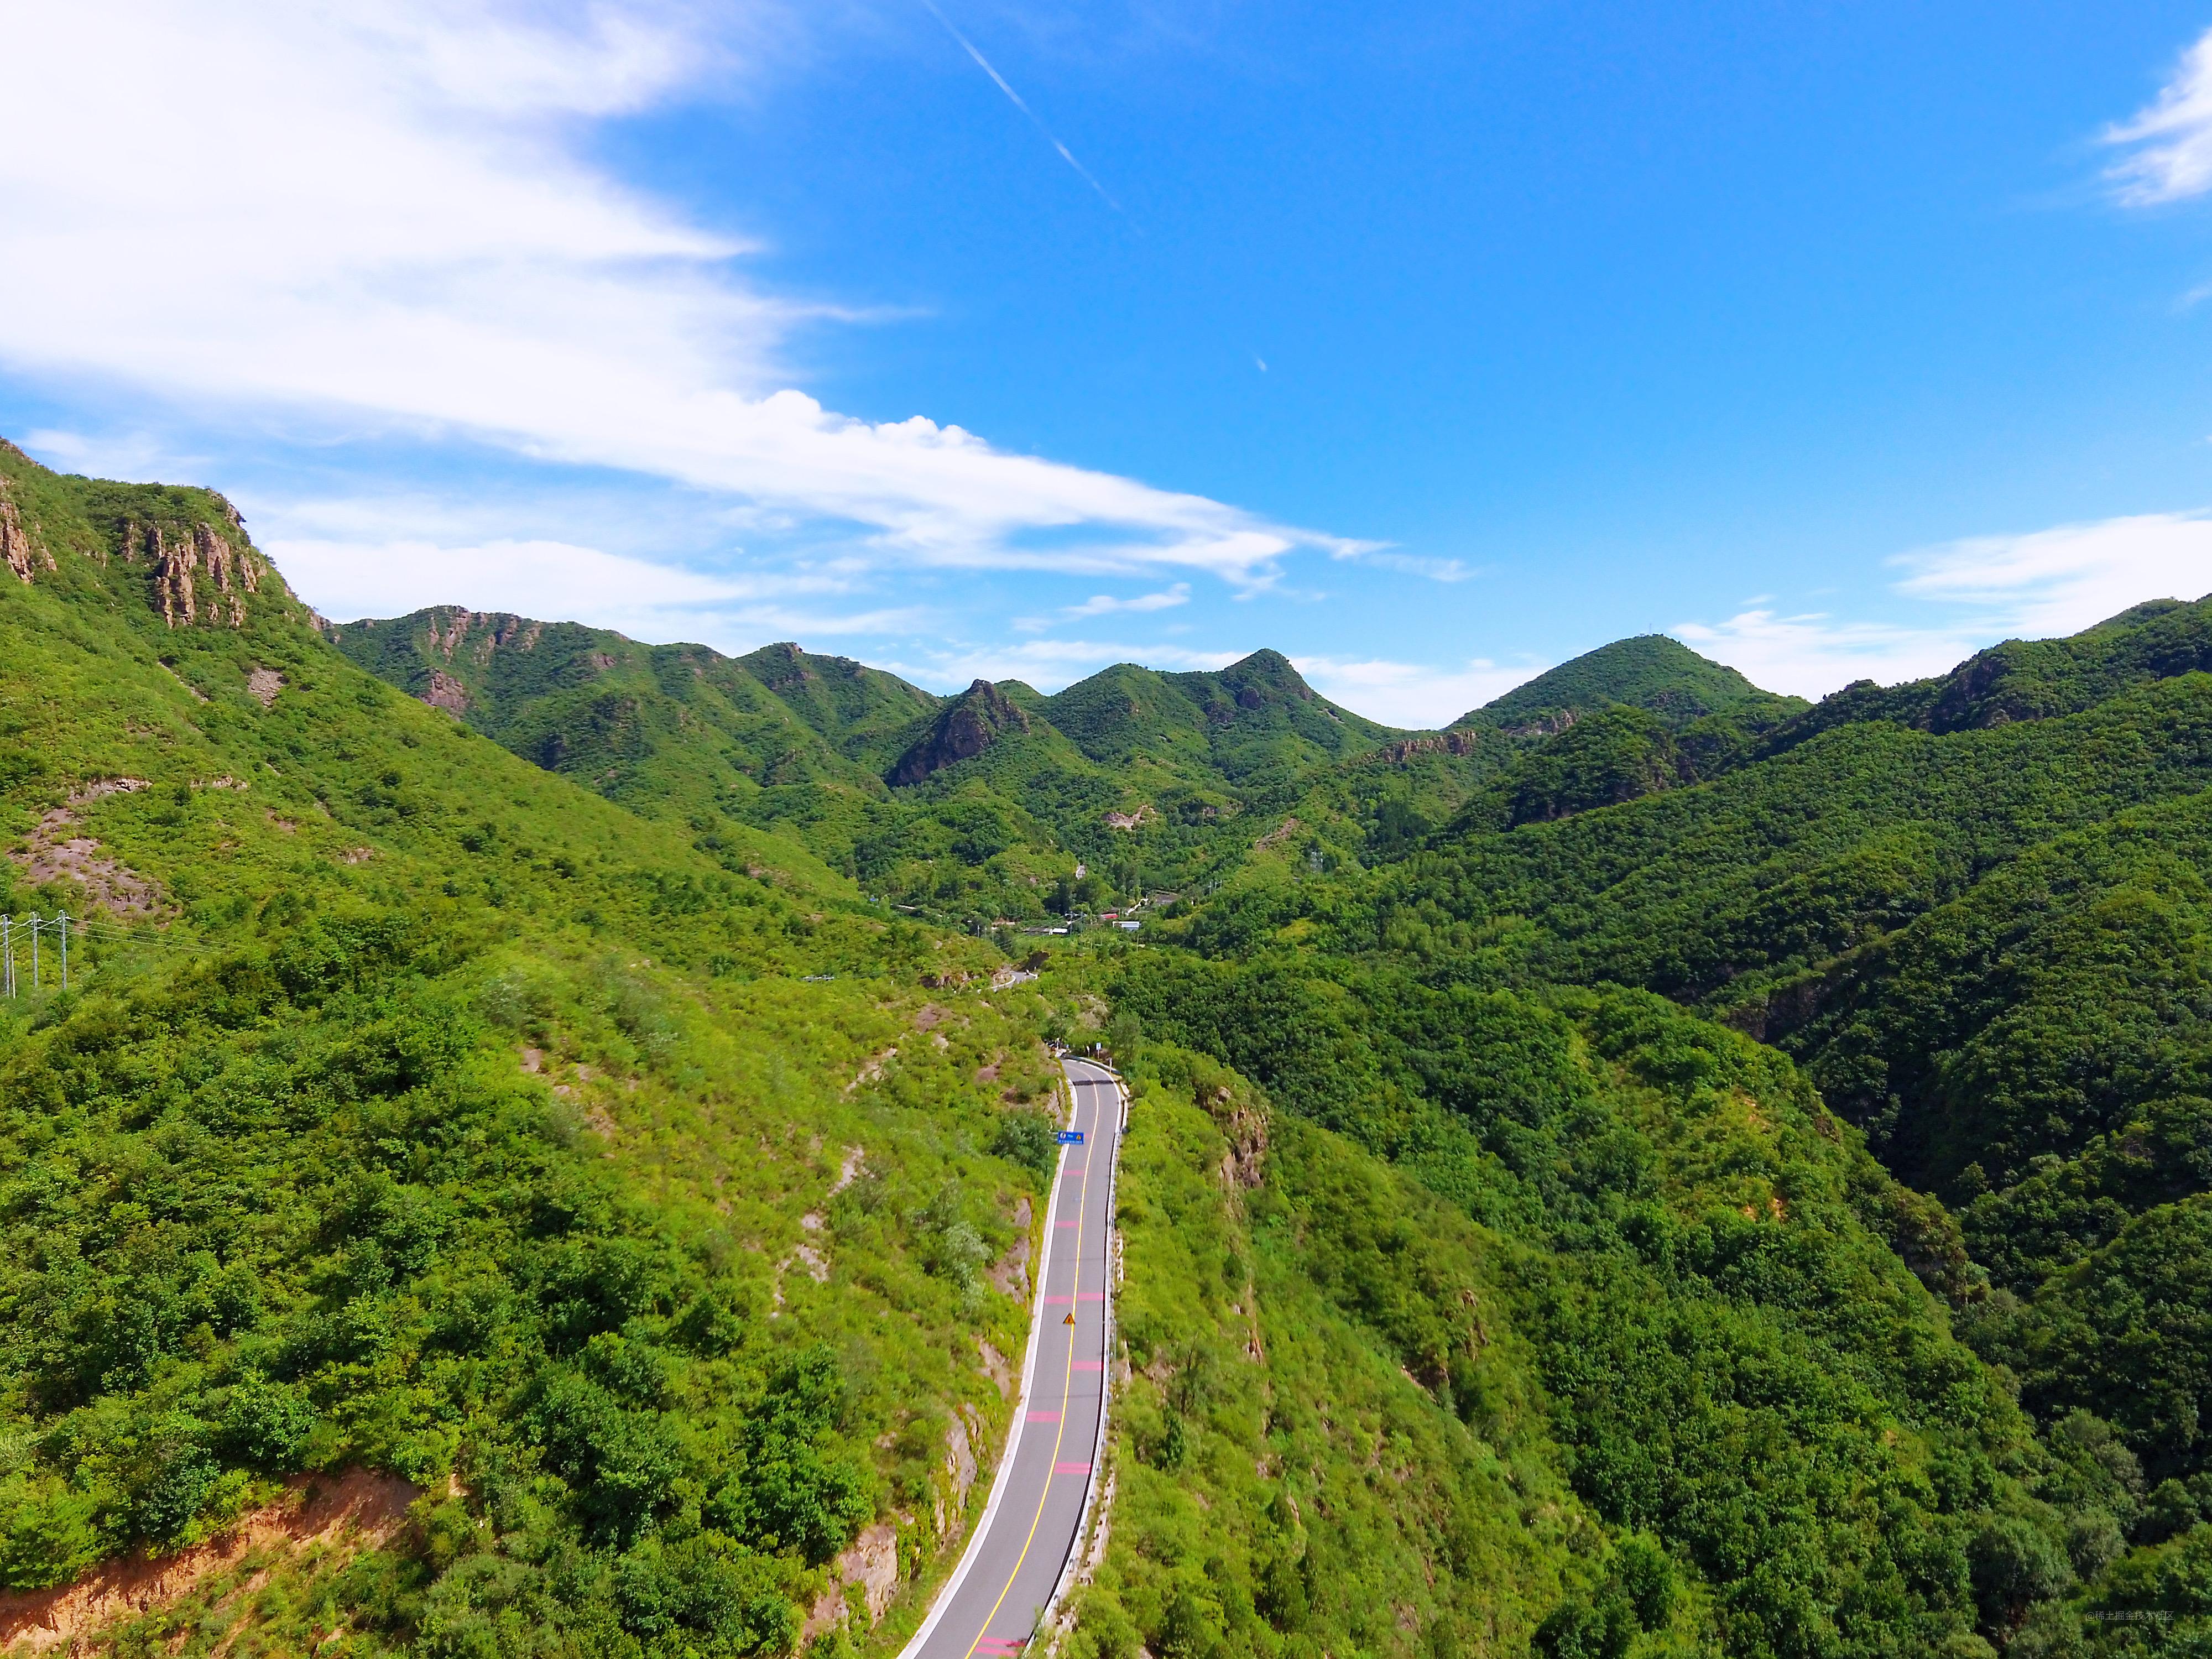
[977, 804]
[1651, 671]
[2030, 679]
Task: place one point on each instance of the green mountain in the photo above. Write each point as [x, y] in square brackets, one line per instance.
[1973, 910]
[413, 1112]
[640, 1210]
[1651, 671]
[1653, 1169]
[975, 807]
[2032, 679]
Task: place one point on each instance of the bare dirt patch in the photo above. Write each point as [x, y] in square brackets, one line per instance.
[262, 684]
[355, 1510]
[52, 853]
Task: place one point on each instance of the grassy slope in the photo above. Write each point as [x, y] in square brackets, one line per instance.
[455, 1120]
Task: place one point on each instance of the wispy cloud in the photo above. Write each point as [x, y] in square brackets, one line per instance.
[1103, 605]
[559, 580]
[381, 219]
[1811, 653]
[1412, 695]
[2064, 578]
[2035, 584]
[1384, 557]
[2171, 138]
[1049, 664]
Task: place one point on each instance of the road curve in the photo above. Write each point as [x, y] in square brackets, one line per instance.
[1012, 1570]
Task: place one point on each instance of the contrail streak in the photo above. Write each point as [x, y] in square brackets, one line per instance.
[984, 64]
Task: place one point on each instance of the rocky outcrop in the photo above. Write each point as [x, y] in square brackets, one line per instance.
[490, 631]
[872, 1564]
[197, 574]
[447, 693]
[1435, 742]
[977, 719]
[23, 555]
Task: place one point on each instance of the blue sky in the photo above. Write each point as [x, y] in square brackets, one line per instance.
[1431, 345]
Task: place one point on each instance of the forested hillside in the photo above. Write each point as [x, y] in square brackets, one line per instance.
[1653, 1168]
[971, 807]
[1973, 911]
[411, 1110]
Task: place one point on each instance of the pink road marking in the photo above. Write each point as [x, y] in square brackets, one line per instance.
[1067, 1223]
[1071, 1468]
[1055, 1298]
[1091, 1364]
[1042, 1416]
[1090, 1295]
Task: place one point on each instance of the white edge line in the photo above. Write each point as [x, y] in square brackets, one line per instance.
[944, 1595]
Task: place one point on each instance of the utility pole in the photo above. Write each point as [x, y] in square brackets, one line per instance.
[64, 916]
[8, 949]
[34, 951]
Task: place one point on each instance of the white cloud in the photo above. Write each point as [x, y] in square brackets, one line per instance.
[1049, 664]
[1411, 693]
[1102, 605]
[2063, 580]
[2172, 138]
[1409, 564]
[2033, 586]
[377, 217]
[1812, 653]
[657, 603]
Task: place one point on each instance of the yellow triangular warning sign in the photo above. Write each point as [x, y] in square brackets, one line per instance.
[1070, 1320]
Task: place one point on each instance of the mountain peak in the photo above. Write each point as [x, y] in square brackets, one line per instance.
[1266, 670]
[1651, 671]
[975, 720]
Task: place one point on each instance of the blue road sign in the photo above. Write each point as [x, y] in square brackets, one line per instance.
[1071, 1137]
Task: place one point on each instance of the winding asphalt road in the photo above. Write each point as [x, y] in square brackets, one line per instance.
[1014, 1563]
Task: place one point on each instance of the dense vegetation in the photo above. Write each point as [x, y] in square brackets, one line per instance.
[972, 808]
[1653, 1168]
[1973, 910]
[433, 1115]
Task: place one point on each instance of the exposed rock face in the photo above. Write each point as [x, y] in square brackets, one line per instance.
[324, 1516]
[1544, 725]
[23, 555]
[197, 574]
[491, 631]
[781, 667]
[262, 684]
[980, 716]
[1438, 743]
[447, 693]
[873, 1564]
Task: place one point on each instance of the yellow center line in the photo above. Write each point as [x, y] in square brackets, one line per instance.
[1067, 1386]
